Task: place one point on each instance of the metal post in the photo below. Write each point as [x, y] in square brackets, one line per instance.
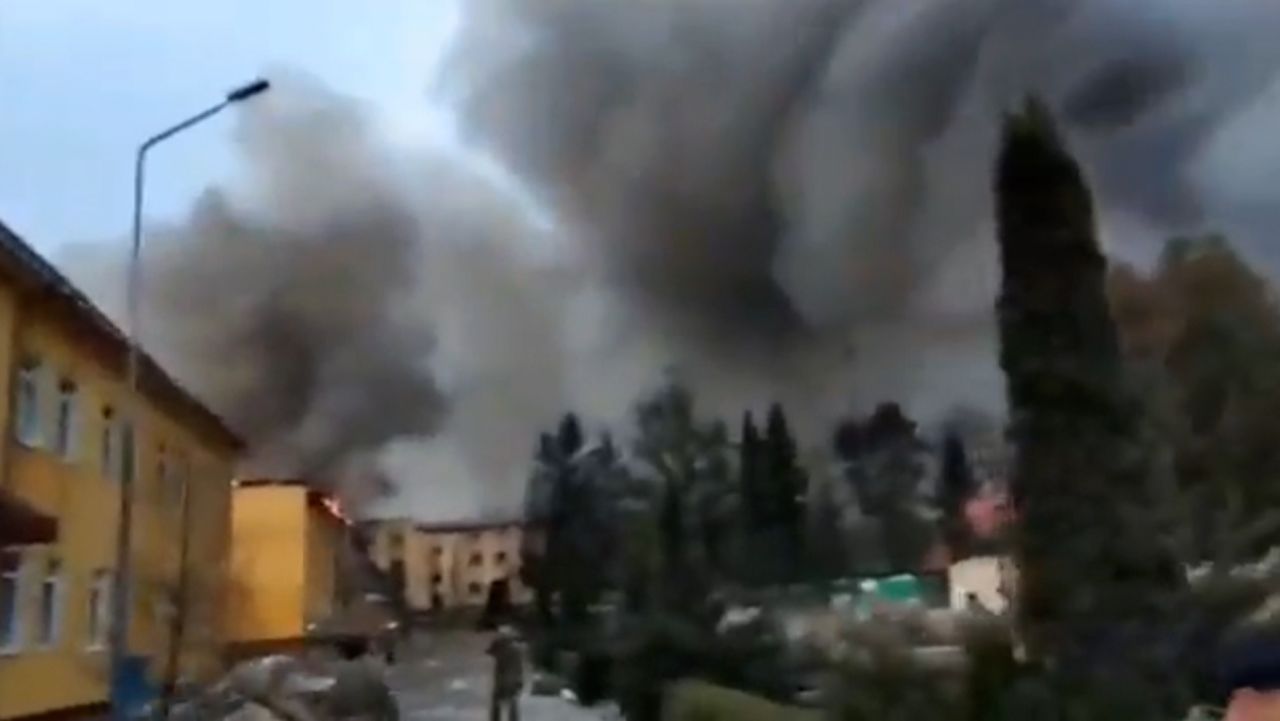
[121, 586]
[178, 624]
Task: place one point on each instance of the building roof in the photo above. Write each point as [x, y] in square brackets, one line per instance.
[468, 525]
[317, 499]
[30, 269]
[255, 482]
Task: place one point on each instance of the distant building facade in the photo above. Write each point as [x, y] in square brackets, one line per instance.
[449, 565]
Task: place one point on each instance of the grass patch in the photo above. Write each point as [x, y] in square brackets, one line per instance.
[701, 701]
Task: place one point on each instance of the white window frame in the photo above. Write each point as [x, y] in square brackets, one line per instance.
[164, 472]
[52, 587]
[66, 418]
[13, 644]
[128, 447]
[28, 421]
[98, 624]
[175, 480]
[108, 450]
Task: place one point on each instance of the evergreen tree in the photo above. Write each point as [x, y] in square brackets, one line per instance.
[787, 484]
[1094, 578]
[884, 465]
[749, 472]
[955, 487]
[569, 437]
[534, 571]
[687, 461]
[559, 560]
[753, 519]
[1206, 327]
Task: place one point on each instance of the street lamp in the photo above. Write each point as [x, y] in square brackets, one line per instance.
[124, 526]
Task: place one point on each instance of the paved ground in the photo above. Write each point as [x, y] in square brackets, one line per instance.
[444, 676]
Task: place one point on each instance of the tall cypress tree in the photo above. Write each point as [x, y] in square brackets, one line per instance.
[787, 486]
[749, 473]
[1094, 578]
[753, 507]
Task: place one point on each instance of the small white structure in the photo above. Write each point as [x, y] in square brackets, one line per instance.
[986, 579]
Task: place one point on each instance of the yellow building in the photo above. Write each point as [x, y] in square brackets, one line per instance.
[73, 432]
[449, 565]
[286, 563]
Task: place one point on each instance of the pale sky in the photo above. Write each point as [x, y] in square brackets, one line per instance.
[82, 82]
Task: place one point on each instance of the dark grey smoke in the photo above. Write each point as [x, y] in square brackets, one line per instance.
[680, 191]
[783, 199]
[825, 164]
[288, 302]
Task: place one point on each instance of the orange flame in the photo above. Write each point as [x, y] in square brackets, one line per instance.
[333, 506]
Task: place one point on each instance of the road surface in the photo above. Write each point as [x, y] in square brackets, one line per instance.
[444, 676]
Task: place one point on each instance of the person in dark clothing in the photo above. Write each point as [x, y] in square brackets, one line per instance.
[508, 675]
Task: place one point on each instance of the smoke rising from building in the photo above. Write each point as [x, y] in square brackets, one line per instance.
[781, 200]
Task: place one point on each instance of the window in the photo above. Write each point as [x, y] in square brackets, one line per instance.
[171, 477]
[476, 559]
[26, 427]
[128, 456]
[108, 448]
[437, 579]
[438, 551]
[10, 592]
[474, 588]
[500, 558]
[99, 608]
[163, 473]
[66, 430]
[50, 605]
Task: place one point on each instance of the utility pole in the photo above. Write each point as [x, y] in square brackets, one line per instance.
[120, 592]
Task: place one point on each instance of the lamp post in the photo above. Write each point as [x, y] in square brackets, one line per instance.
[124, 526]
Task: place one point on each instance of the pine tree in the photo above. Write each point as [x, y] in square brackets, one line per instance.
[753, 514]
[884, 465]
[534, 571]
[955, 487]
[787, 484]
[569, 437]
[1094, 578]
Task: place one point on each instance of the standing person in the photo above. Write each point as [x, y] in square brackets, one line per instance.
[360, 688]
[508, 674]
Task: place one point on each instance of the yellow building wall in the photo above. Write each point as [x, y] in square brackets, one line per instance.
[284, 563]
[268, 563]
[72, 672]
[323, 534]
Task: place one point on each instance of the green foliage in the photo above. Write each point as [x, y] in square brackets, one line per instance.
[1097, 583]
[883, 459]
[956, 485]
[773, 485]
[656, 650]
[1206, 326]
[694, 501]
[569, 504]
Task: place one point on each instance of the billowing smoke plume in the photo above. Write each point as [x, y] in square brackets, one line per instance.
[780, 199]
